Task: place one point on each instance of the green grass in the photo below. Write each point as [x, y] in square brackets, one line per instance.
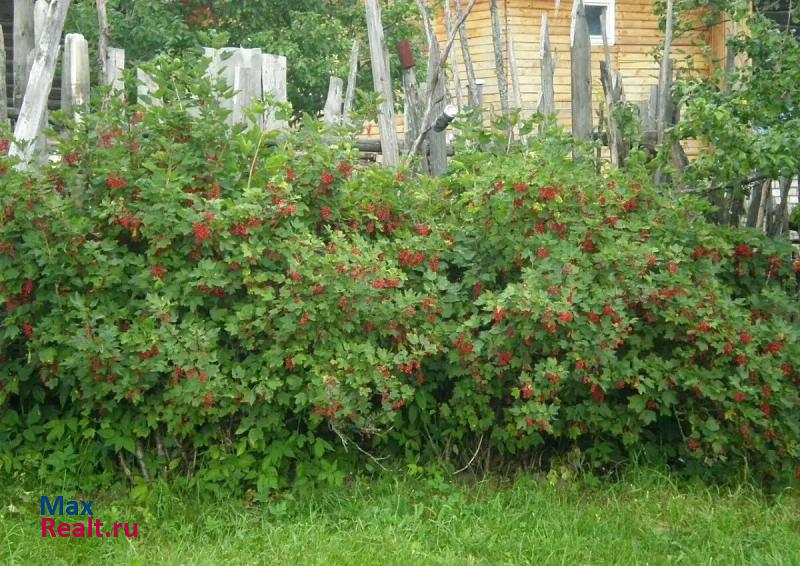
[649, 519]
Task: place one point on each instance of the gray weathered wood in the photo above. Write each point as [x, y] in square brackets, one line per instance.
[40, 79]
[3, 90]
[614, 98]
[115, 65]
[23, 46]
[146, 87]
[352, 76]
[39, 15]
[469, 70]
[437, 141]
[581, 67]
[547, 99]
[516, 89]
[499, 57]
[104, 38]
[411, 106]
[454, 65]
[664, 78]
[75, 73]
[273, 81]
[382, 82]
[333, 104]
[241, 70]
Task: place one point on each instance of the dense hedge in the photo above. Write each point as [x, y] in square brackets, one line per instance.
[262, 311]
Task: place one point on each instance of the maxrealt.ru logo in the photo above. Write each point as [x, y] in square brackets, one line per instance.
[80, 508]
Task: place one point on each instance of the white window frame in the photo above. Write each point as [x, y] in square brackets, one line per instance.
[611, 21]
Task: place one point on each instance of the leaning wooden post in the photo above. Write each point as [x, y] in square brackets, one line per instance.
[352, 76]
[273, 80]
[3, 91]
[612, 88]
[547, 99]
[103, 53]
[41, 78]
[333, 104]
[383, 84]
[23, 46]
[453, 55]
[499, 57]
[75, 73]
[475, 100]
[516, 89]
[581, 63]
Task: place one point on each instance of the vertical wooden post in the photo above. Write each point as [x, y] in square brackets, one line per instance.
[273, 80]
[3, 90]
[247, 82]
[23, 46]
[350, 93]
[581, 64]
[516, 89]
[475, 99]
[453, 56]
[499, 57]
[437, 158]
[39, 15]
[333, 104]
[75, 73]
[115, 65]
[37, 90]
[103, 53]
[382, 81]
[547, 99]
[146, 86]
[411, 98]
[612, 89]
[664, 78]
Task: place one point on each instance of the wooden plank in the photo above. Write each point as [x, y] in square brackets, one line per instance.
[453, 56]
[103, 53]
[146, 86]
[581, 67]
[75, 73]
[114, 69]
[3, 89]
[516, 90]
[23, 46]
[382, 82]
[499, 57]
[350, 93]
[34, 103]
[472, 85]
[664, 79]
[39, 15]
[247, 84]
[614, 97]
[273, 81]
[547, 99]
[333, 104]
[437, 148]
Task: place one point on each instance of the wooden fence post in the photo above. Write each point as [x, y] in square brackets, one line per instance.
[437, 146]
[614, 97]
[453, 56]
[37, 90]
[146, 86]
[273, 81]
[3, 90]
[547, 98]
[411, 98]
[581, 66]
[75, 73]
[499, 57]
[516, 89]
[332, 114]
[350, 93]
[115, 65]
[475, 100]
[23, 46]
[103, 53]
[383, 83]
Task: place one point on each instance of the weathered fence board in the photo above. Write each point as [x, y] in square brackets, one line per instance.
[581, 65]
[475, 98]
[332, 114]
[3, 91]
[547, 98]
[382, 81]
[115, 65]
[273, 81]
[75, 73]
[499, 57]
[352, 75]
[23, 46]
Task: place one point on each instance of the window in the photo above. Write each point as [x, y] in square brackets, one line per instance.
[595, 10]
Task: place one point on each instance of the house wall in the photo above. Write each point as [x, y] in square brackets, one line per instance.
[637, 35]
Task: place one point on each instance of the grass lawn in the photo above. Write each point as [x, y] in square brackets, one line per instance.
[647, 519]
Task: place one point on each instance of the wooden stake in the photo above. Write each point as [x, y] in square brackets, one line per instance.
[3, 90]
[516, 90]
[37, 90]
[333, 104]
[453, 56]
[114, 68]
[499, 57]
[382, 82]
[472, 83]
[350, 94]
[75, 73]
[547, 99]
[273, 81]
[612, 88]
[437, 158]
[664, 79]
[23, 46]
[581, 64]
[103, 42]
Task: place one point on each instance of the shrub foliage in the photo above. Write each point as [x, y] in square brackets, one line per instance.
[257, 310]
